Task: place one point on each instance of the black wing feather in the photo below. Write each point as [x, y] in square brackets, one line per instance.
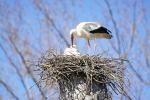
[100, 30]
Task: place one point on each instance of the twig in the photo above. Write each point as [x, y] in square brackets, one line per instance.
[8, 89]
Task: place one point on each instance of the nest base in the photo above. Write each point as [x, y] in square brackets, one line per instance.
[82, 76]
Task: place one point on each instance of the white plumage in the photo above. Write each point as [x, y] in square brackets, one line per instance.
[84, 28]
[71, 51]
[89, 30]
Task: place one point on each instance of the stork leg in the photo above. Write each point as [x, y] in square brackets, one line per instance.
[88, 41]
[95, 44]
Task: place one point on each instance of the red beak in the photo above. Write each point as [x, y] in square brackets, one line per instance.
[72, 39]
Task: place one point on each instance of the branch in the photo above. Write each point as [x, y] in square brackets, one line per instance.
[26, 66]
[16, 69]
[8, 89]
[146, 29]
[137, 74]
[133, 31]
[118, 50]
[48, 17]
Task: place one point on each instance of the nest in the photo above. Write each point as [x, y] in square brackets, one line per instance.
[89, 75]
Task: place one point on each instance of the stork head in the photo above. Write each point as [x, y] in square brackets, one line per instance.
[72, 35]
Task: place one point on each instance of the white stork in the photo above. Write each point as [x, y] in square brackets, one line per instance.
[90, 30]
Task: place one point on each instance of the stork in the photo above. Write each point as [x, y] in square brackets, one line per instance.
[90, 30]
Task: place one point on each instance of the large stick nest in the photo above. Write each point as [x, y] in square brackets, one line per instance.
[69, 71]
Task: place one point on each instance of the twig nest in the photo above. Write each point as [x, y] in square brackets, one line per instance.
[96, 73]
[71, 51]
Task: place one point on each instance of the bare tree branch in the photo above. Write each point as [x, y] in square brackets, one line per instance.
[133, 31]
[27, 67]
[8, 89]
[17, 70]
[45, 12]
[118, 50]
[146, 46]
[137, 74]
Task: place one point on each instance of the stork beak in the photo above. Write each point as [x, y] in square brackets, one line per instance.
[72, 39]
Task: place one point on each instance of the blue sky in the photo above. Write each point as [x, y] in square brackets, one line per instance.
[80, 10]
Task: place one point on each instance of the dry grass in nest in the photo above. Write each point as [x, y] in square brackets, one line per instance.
[69, 71]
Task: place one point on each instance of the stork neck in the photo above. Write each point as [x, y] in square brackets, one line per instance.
[72, 39]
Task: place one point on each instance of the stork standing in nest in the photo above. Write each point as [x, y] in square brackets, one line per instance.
[89, 30]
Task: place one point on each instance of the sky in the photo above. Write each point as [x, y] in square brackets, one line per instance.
[82, 10]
